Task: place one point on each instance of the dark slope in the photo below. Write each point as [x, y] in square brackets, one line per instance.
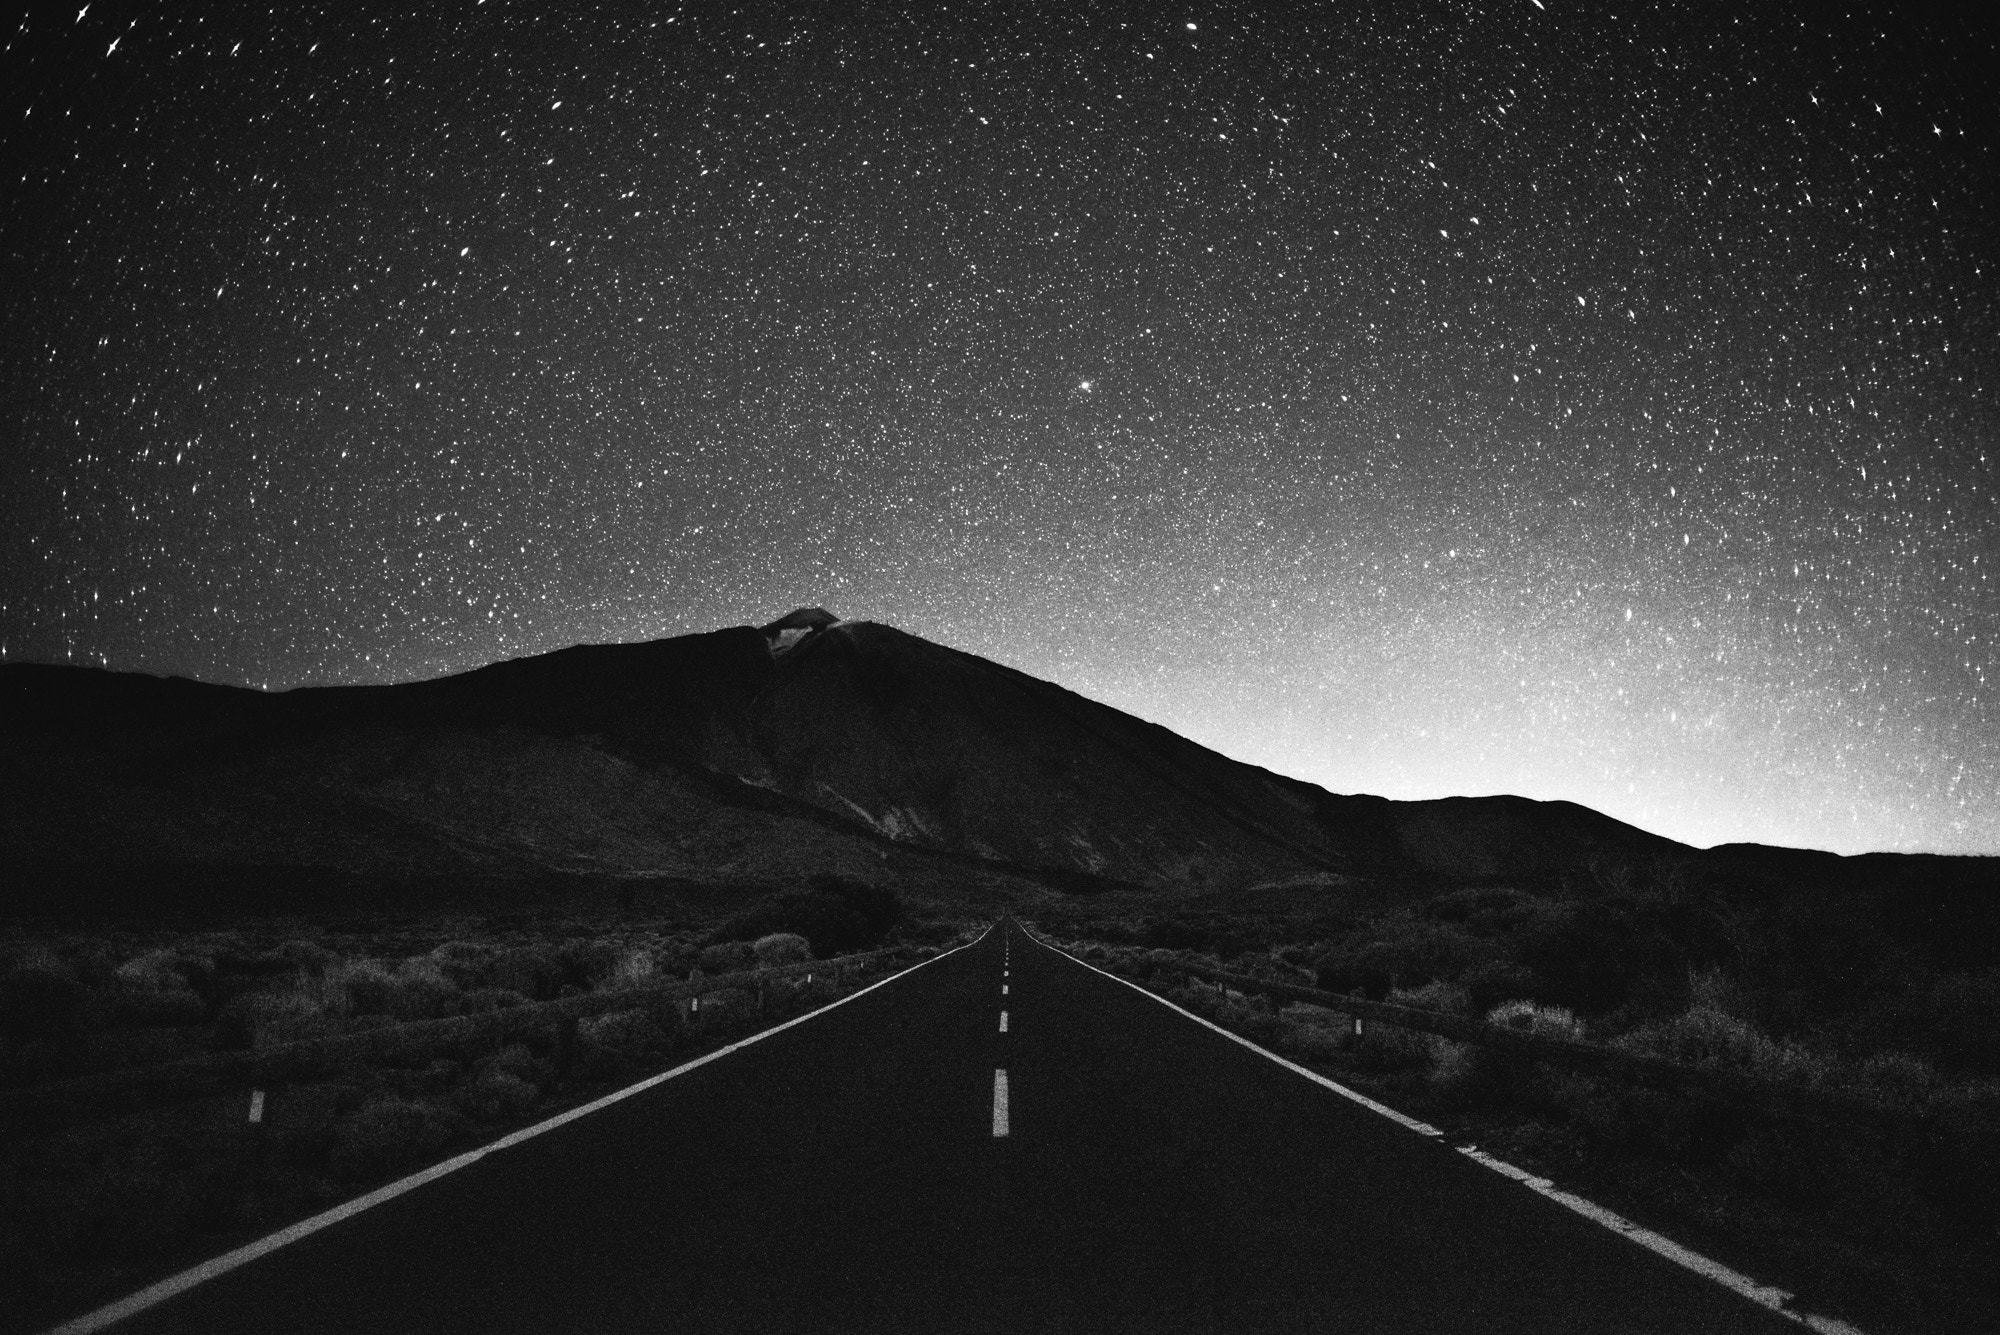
[743, 755]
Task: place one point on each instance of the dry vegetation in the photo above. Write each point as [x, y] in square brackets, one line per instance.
[1896, 1230]
[94, 1210]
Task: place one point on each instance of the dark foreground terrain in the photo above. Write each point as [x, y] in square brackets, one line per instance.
[845, 1174]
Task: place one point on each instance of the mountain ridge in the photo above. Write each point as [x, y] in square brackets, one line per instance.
[754, 755]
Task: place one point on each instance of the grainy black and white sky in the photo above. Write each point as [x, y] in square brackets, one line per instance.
[1578, 400]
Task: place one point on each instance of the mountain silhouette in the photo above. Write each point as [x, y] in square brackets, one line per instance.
[746, 755]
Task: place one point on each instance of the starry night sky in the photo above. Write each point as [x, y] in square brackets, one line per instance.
[1414, 398]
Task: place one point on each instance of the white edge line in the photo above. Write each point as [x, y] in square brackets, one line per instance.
[1421, 1128]
[154, 1294]
[1777, 1300]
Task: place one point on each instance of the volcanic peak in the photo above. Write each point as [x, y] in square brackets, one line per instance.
[796, 626]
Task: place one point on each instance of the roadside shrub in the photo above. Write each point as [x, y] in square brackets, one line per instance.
[1251, 1017]
[723, 1013]
[612, 1047]
[1312, 1033]
[307, 957]
[498, 1096]
[1534, 1018]
[281, 1015]
[486, 999]
[533, 971]
[468, 964]
[782, 948]
[156, 969]
[518, 1061]
[1704, 1036]
[727, 957]
[633, 968]
[390, 1135]
[1438, 995]
[1384, 1048]
[1456, 1068]
[415, 989]
[1467, 1074]
[150, 991]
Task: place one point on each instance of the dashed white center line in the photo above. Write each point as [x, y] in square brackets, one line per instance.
[1003, 1022]
[1000, 1101]
[1003, 989]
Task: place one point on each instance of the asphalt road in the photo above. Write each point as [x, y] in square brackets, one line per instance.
[845, 1175]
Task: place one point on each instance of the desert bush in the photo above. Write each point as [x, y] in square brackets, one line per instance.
[632, 968]
[390, 1135]
[1704, 1036]
[728, 957]
[1256, 1022]
[615, 1046]
[308, 1009]
[485, 999]
[1534, 1018]
[533, 971]
[415, 989]
[497, 1096]
[1312, 1033]
[307, 957]
[156, 969]
[517, 1060]
[1383, 1047]
[468, 964]
[1456, 1069]
[724, 1013]
[781, 948]
[149, 990]
[1466, 1074]
[1436, 995]
[803, 996]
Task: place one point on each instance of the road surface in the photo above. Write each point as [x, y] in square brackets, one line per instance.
[870, 1170]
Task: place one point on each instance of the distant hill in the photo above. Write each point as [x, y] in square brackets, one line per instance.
[748, 755]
